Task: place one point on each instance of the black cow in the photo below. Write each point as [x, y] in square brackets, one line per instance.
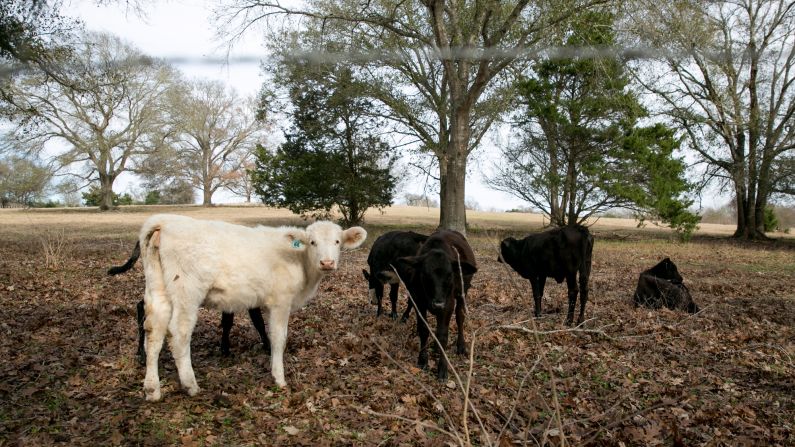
[227, 319]
[559, 253]
[387, 248]
[435, 276]
[662, 285]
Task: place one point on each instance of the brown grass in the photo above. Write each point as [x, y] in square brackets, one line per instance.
[396, 216]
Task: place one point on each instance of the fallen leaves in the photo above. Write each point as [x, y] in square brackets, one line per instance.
[643, 378]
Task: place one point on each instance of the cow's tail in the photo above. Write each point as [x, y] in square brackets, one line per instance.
[130, 262]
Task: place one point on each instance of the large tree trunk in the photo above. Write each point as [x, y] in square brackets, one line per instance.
[452, 215]
[571, 181]
[750, 223]
[106, 192]
[207, 196]
[452, 177]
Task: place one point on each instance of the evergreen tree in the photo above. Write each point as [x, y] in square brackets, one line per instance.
[333, 155]
[583, 151]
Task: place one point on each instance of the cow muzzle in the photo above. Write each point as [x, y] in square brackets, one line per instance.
[373, 297]
[328, 265]
[437, 305]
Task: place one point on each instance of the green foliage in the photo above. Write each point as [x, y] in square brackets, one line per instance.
[124, 199]
[152, 197]
[584, 152]
[332, 157]
[653, 178]
[771, 220]
[46, 204]
[93, 197]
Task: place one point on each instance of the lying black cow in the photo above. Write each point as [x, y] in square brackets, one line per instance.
[227, 319]
[661, 286]
[559, 253]
[386, 249]
[435, 277]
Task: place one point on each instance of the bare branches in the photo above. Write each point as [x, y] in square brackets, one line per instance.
[112, 117]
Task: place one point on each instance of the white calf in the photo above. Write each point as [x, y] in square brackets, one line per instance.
[190, 263]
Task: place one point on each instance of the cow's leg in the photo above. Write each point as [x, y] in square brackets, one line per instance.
[277, 331]
[537, 285]
[409, 306]
[227, 320]
[259, 324]
[379, 297]
[423, 332]
[140, 315]
[583, 297]
[157, 308]
[442, 334]
[460, 318]
[393, 297]
[183, 320]
[571, 283]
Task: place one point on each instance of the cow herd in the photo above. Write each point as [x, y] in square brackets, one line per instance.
[189, 263]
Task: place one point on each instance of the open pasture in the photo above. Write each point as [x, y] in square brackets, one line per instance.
[725, 376]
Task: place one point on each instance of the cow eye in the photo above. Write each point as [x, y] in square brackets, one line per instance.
[337, 242]
[312, 242]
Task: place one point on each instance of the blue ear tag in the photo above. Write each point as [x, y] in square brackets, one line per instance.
[296, 243]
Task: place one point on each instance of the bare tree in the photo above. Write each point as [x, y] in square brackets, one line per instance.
[107, 116]
[240, 183]
[216, 132]
[730, 84]
[439, 66]
[22, 181]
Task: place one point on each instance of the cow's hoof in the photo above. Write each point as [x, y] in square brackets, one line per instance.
[461, 350]
[393, 316]
[152, 395]
[142, 360]
[404, 320]
[422, 364]
[442, 377]
[192, 390]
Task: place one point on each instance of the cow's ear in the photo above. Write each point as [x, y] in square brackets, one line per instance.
[366, 274]
[353, 237]
[297, 238]
[466, 268]
[406, 267]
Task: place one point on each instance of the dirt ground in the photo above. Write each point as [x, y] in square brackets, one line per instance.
[724, 376]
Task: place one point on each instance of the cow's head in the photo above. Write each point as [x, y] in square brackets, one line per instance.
[325, 239]
[432, 275]
[372, 285]
[510, 250]
[666, 269]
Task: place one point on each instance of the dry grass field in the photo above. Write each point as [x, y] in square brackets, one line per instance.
[725, 376]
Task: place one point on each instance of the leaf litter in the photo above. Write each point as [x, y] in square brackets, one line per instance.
[628, 377]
